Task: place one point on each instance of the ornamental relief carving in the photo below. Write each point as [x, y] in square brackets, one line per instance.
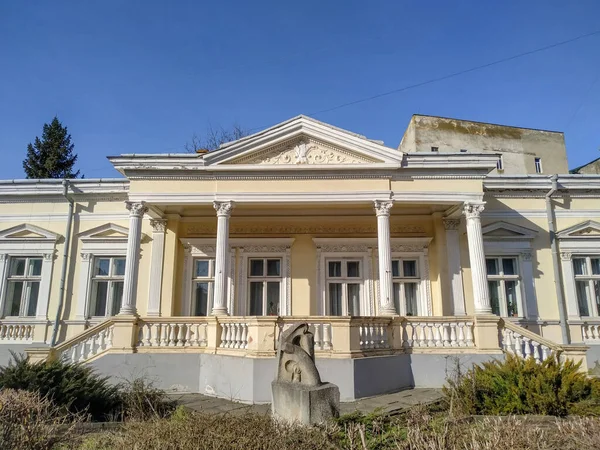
[304, 151]
[196, 230]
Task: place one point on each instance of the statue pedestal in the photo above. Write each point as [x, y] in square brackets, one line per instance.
[308, 405]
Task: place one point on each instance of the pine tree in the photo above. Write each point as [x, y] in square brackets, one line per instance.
[52, 156]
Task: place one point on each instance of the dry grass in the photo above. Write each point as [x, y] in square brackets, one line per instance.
[417, 430]
[29, 421]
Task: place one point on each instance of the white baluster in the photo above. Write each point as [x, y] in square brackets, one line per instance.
[202, 339]
[384, 337]
[461, 334]
[327, 343]
[180, 335]
[223, 335]
[526, 347]
[244, 335]
[453, 341]
[148, 331]
[545, 352]
[469, 334]
[317, 333]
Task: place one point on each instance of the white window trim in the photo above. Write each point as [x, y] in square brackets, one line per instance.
[95, 244]
[518, 243]
[111, 279]
[423, 284]
[210, 279]
[346, 248]
[263, 248]
[343, 280]
[264, 279]
[520, 259]
[43, 246]
[201, 248]
[582, 239]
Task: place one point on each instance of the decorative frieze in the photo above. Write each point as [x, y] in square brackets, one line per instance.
[210, 229]
[451, 224]
[158, 225]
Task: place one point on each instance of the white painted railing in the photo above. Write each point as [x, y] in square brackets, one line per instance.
[171, 333]
[322, 333]
[234, 335]
[374, 335]
[423, 332]
[591, 333]
[92, 342]
[16, 332]
[524, 343]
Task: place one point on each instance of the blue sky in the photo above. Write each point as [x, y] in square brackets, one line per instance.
[143, 76]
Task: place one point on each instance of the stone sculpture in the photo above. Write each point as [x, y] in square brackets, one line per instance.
[298, 393]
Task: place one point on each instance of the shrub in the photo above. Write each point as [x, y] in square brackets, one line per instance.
[219, 431]
[522, 386]
[29, 421]
[73, 386]
[140, 400]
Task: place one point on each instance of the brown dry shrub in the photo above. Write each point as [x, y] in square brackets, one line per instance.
[30, 421]
[221, 431]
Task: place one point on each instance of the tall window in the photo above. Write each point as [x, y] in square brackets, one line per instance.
[107, 285]
[265, 286]
[344, 285]
[406, 286]
[203, 286]
[503, 283]
[587, 284]
[23, 286]
[538, 165]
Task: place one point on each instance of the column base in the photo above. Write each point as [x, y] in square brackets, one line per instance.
[219, 312]
[127, 311]
[483, 312]
[388, 311]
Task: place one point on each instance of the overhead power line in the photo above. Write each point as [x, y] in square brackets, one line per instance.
[456, 74]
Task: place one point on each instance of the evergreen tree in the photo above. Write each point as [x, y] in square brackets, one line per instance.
[52, 156]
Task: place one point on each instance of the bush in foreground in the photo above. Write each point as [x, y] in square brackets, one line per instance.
[522, 386]
[30, 421]
[140, 401]
[73, 386]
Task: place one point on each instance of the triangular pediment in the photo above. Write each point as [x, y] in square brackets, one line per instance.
[589, 229]
[507, 231]
[304, 142]
[28, 232]
[107, 232]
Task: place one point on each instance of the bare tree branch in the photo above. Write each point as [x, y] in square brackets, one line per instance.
[214, 137]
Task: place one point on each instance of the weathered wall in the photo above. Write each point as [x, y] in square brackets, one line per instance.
[518, 146]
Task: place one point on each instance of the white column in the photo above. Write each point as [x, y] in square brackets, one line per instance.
[530, 310]
[156, 265]
[384, 248]
[221, 260]
[84, 285]
[132, 261]
[45, 283]
[569, 283]
[453, 266]
[3, 269]
[481, 294]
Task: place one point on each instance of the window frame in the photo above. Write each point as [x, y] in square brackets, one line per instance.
[27, 279]
[537, 162]
[264, 279]
[42, 244]
[501, 277]
[111, 279]
[209, 279]
[401, 280]
[344, 280]
[589, 278]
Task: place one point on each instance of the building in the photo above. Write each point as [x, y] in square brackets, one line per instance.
[402, 260]
[591, 168]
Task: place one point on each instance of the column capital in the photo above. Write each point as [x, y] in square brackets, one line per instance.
[85, 256]
[382, 207]
[158, 225]
[136, 209]
[223, 208]
[451, 224]
[3, 256]
[473, 210]
[565, 256]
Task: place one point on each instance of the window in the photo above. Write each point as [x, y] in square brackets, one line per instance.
[500, 163]
[504, 286]
[344, 285]
[108, 275]
[538, 165]
[23, 286]
[434, 149]
[463, 150]
[406, 286]
[587, 284]
[203, 287]
[264, 278]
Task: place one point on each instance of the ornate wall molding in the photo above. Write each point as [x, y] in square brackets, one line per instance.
[210, 229]
[158, 225]
[303, 151]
